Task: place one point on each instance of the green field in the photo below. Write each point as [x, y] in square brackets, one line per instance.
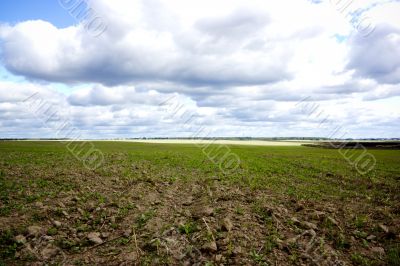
[157, 204]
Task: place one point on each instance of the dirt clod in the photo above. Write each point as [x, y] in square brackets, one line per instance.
[95, 238]
[49, 251]
[227, 224]
[378, 250]
[384, 228]
[210, 247]
[309, 225]
[57, 223]
[34, 230]
[20, 239]
[202, 211]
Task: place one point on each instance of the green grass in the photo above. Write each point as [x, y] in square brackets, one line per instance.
[302, 171]
[187, 228]
[32, 172]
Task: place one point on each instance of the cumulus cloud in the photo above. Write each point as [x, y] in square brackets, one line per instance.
[239, 67]
[201, 43]
[103, 96]
[99, 113]
[129, 52]
[378, 57]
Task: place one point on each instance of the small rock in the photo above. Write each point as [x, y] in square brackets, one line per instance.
[280, 243]
[48, 238]
[95, 238]
[76, 199]
[90, 207]
[202, 211]
[156, 202]
[318, 215]
[371, 237]
[39, 205]
[49, 252]
[187, 213]
[35, 230]
[295, 220]
[281, 209]
[57, 223]
[20, 239]
[112, 219]
[210, 246]
[227, 224]
[218, 258]
[127, 232]
[378, 250]
[225, 241]
[292, 240]
[132, 257]
[208, 211]
[384, 228]
[310, 225]
[65, 213]
[237, 250]
[333, 221]
[188, 201]
[105, 235]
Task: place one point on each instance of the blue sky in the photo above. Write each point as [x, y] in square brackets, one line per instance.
[240, 68]
[14, 11]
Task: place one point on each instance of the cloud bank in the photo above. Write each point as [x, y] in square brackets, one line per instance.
[240, 66]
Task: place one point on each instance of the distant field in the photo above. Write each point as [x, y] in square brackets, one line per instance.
[227, 142]
[158, 204]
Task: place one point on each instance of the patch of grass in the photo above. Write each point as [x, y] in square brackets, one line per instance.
[270, 243]
[52, 231]
[360, 221]
[341, 242]
[360, 234]
[144, 218]
[123, 241]
[239, 210]
[67, 244]
[359, 259]
[6, 210]
[258, 258]
[187, 228]
[124, 210]
[82, 227]
[8, 246]
[393, 255]
[38, 216]
[264, 212]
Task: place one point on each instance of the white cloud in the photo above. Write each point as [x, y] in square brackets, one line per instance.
[239, 66]
[239, 43]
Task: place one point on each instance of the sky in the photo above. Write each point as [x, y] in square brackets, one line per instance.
[191, 68]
